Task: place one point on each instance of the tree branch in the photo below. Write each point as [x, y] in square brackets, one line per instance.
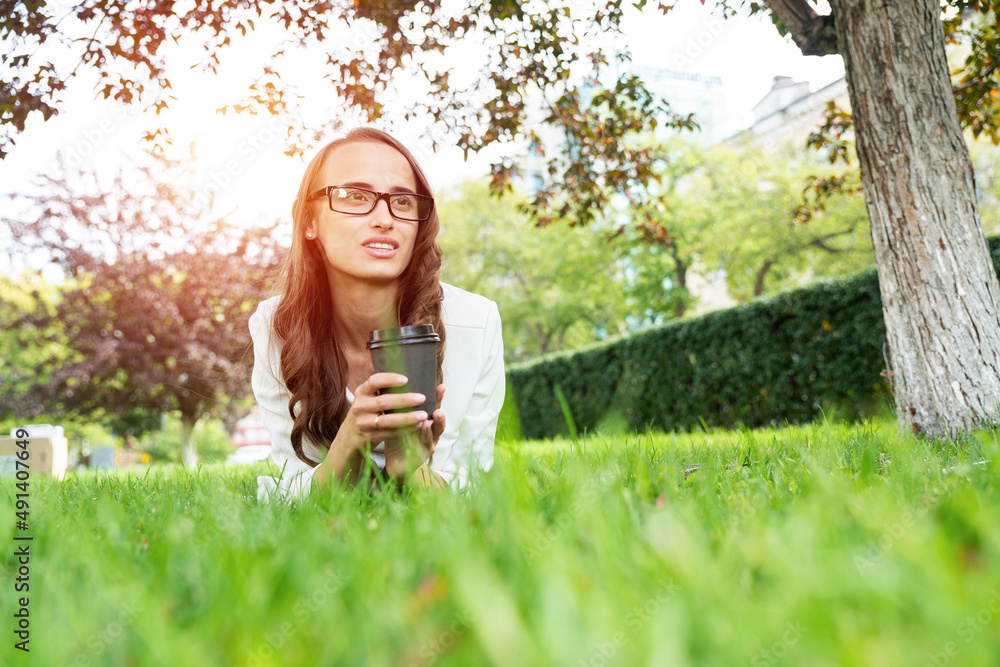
[815, 35]
[820, 242]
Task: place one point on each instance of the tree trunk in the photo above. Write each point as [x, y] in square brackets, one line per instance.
[939, 289]
[758, 285]
[680, 272]
[189, 454]
[544, 338]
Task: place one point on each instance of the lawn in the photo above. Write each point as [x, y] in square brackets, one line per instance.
[827, 544]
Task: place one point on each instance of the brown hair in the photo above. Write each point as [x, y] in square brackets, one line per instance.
[313, 362]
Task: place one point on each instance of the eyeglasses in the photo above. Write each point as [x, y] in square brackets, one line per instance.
[359, 201]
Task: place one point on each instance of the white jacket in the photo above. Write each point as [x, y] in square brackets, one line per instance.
[473, 374]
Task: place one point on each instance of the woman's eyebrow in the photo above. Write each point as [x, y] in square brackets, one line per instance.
[369, 186]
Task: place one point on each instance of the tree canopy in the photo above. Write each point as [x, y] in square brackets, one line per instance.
[154, 316]
[554, 56]
[558, 288]
[758, 238]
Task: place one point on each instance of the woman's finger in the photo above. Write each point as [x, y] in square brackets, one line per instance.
[390, 422]
[386, 402]
[437, 426]
[377, 381]
[370, 397]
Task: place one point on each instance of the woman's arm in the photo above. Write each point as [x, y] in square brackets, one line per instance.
[367, 423]
[426, 478]
[407, 460]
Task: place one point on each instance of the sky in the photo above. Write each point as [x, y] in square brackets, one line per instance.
[242, 157]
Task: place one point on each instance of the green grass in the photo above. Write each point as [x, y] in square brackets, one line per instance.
[818, 545]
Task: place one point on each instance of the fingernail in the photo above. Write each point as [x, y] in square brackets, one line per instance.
[401, 379]
[421, 416]
[418, 399]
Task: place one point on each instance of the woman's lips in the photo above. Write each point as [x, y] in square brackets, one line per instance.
[383, 248]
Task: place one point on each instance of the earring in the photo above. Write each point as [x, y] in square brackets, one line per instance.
[309, 234]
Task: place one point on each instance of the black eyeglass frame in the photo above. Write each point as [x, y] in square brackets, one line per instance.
[327, 192]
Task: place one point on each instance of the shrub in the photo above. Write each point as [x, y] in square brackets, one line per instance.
[783, 359]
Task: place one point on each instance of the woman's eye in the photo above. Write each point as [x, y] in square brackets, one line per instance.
[402, 202]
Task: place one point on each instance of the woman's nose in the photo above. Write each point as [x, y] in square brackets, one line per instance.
[381, 216]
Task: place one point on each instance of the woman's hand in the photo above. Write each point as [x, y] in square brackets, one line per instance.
[403, 453]
[366, 424]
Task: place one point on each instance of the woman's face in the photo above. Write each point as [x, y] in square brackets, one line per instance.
[374, 248]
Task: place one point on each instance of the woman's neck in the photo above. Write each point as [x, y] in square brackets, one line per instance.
[360, 307]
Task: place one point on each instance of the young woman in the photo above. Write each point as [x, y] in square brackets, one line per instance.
[364, 256]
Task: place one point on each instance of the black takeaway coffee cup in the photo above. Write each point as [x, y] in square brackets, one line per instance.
[409, 351]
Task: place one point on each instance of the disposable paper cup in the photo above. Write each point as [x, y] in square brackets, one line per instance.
[409, 351]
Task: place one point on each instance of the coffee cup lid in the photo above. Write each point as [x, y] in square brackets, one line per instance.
[422, 331]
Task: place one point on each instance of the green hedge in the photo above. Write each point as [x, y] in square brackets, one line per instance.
[785, 358]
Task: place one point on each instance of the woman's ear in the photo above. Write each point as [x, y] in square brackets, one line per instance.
[307, 226]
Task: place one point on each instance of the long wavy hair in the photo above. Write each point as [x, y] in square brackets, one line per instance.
[313, 362]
